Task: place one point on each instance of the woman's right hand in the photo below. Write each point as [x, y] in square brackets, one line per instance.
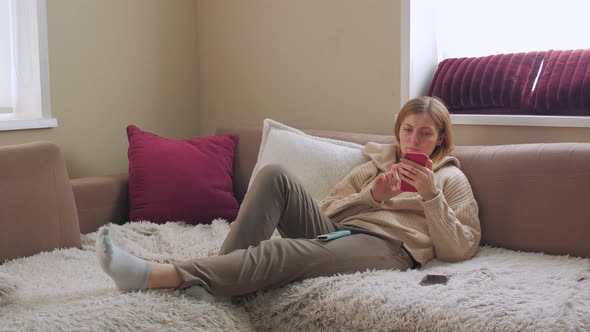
[386, 185]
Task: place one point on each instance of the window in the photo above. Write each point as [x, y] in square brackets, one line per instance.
[442, 30]
[24, 68]
[467, 28]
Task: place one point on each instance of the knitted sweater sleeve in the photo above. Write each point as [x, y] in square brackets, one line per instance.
[453, 220]
[352, 194]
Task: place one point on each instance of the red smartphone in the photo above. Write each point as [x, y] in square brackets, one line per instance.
[418, 158]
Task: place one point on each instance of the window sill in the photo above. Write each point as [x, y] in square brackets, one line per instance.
[12, 122]
[521, 120]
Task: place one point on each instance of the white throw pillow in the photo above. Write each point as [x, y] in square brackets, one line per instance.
[317, 163]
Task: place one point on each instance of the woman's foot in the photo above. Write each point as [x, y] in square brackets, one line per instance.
[127, 271]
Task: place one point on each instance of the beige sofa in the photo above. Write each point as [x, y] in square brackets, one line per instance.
[532, 197]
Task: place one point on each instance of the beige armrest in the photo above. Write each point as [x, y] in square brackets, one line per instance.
[37, 210]
[101, 200]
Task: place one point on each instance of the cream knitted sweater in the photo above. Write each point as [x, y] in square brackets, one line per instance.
[446, 227]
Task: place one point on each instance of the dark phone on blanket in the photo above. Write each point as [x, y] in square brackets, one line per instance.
[434, 279]
[419, 158]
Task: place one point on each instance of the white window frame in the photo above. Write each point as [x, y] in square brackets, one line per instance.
[39, 115]
[419, 58]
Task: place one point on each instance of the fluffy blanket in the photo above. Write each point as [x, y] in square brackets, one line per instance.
[498, 290]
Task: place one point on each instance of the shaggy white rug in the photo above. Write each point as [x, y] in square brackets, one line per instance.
[498, 290]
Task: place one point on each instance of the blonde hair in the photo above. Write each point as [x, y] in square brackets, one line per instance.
[442, 120]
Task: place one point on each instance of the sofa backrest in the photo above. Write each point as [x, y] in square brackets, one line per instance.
[532, 197]
[37, 208]
[101, 200]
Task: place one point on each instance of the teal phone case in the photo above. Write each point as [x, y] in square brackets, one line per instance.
[333, 235]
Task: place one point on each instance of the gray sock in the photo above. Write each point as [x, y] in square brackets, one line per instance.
[127, 271]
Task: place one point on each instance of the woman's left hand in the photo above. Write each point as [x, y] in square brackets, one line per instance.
[421, 177]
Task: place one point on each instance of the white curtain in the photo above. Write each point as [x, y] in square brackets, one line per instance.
[5, 57]
[21, 75]
[27, 78]
[470, 28]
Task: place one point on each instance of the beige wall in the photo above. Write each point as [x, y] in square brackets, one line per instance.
[114, 63]
[330, 64]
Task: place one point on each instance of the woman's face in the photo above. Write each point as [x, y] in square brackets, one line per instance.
[418, 133]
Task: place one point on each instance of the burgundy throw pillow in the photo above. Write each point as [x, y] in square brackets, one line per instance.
[497, 84]
[564, 84]
[180, 180]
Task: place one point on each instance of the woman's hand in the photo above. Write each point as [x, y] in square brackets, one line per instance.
[386, 186]
[422, 178]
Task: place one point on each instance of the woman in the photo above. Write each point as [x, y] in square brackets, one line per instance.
[390, 229]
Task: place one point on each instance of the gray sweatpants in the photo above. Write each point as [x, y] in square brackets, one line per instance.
[248, 261]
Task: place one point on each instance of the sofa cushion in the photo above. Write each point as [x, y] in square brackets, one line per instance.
[317, 163]
[531, 197]
[180, 180]
[37, 209]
